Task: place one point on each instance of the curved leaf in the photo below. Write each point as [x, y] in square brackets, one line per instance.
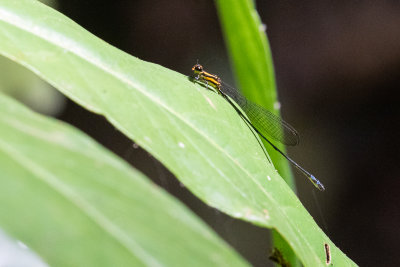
[253, 65]
[191, 130]
[252, 61]
[76, 204]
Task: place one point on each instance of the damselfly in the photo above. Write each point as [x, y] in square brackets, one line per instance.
[261, 120]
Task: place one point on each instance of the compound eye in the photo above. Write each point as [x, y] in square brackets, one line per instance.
[199, 67]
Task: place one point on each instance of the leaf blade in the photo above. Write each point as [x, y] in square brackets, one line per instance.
[186, 127]
[77, 191]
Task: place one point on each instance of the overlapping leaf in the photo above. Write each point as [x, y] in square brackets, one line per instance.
[193, 131]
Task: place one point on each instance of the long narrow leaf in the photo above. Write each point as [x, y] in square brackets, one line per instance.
[193, 131]
[76, 204]
[252, 61]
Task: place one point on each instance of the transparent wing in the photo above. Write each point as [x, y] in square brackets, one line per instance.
[266, 122]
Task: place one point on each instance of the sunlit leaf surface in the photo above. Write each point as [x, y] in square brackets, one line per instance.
[191, 130]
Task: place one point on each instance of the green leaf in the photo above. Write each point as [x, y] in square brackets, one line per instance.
[191, 130]
[252, 61]
[76, 204]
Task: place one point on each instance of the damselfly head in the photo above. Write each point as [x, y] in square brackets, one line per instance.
[197, 68]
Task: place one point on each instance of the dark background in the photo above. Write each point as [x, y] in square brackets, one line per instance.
[338, 72]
